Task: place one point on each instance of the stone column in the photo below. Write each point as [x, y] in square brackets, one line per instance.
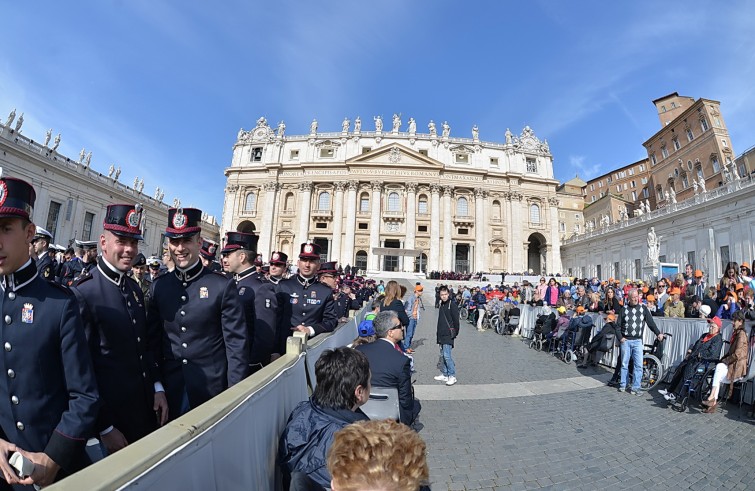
[411, 225]
[554, 257]
[375, 205]
[335, 252]
[347, 253]
[229, 211]
[305, 203]
[448, 257]
[268, 218]
[480, 226]
[518, 218]
[433, 260]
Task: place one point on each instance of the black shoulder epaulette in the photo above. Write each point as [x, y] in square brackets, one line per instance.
[84, 276]
[60, 287]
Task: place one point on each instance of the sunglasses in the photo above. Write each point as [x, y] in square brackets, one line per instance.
[397, 326]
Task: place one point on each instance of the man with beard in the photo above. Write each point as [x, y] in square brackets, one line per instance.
[112, 308]
[308, 305]
[196, 324]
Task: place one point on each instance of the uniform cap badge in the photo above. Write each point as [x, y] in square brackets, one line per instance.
[3, 192]
[27, 313]
[179, 219]
[308, 248]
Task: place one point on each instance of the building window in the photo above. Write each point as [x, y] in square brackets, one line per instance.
[699, 169]
[361, 260]
[250, 203]
[422, 228]
[716, 122]
[676, 143]
[690, 135]
[393, 202]
[534, 213]
[593, 199]
[327, 153]
[703, 124]
[724, 257]
[323, 201]
[362, 226]
[423, 152]
[663, 109]
[676, 172]
[716, 165]
[463, 231]
[321, 225]
[52, 218]
[532, 166]
[422, 208]
[685, 181]
[494, 161]
[364, 202]
[462, 207]
[631, 171]
[664, 151]
[294, 155]
[689, 165]
[368, 149]
[723, 142]
[257, 154]
[634, 184]
[691, 259]
[742, 169]
[462, 158]
[634, 195]
[645, 193]
[600, 184]
[659, 192]
[642, 166]
[496, 210]
[561, 227]
[288, 203]
[673, 105]
[608, 179]
[86, 233]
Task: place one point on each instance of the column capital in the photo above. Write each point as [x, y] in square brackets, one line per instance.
[376, 185]
[232, 188]
[271, 186]
[480, 193]
[411, 187]
[435, 188]
[553, 201]
[448, 190]
[353, 185]
[306, 186]
[340, 185]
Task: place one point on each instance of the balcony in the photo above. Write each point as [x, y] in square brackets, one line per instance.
[393, 216]
[287, 213]
[322, 215]
[496, 220]
[467, 220]
[363, 214]
[248, 213]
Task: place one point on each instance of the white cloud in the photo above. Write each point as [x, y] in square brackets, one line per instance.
[583, 170]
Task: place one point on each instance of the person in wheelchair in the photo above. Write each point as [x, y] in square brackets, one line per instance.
[602, 342]
[733, 366]
[708, 347]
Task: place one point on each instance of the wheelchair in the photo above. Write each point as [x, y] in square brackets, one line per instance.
[652, 363]
[511, 321]
[698, 387]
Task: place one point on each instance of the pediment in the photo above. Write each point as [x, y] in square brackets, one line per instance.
[395, 155]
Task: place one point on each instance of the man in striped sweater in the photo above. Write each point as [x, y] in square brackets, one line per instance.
[632, 321]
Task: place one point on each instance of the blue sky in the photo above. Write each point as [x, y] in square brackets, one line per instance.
[161, 87]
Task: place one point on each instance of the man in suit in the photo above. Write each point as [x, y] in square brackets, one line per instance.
[48, 393]
[388, 365]
[195, 322]
[115, 321]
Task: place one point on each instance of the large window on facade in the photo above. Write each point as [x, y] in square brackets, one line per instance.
[532, 166]
[288, 204]
[250, 203]
[52, 218]
[422, 206]
[664, 151]
[323, 201]
[690, 135]
[86, 232]
[496, 210]
[715, 164]
[394, 203]
[257, 154]
[462, 207]
[364, 202]
[703, 124]
[699, 169]
[534, 213]
[361, 260]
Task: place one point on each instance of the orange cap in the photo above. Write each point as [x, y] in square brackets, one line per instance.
[650, 298]
[580, 309]
[611, 317]
[698, 273]
[739, 286]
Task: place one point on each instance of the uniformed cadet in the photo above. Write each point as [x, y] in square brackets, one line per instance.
[48, 393]
[278, 267]
[308, 305]
[207, 253]
[115, 322]
[258, 263]
[258, 296]
[196, 322]
[346, 301]
[139, 274]
[45, 264]
[68, 255]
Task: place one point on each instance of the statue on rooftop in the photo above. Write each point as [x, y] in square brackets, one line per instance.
[20, 122]
[11, 117]
[431, 127]
[345, 125]
[412, 126]
[446, 129]
[396, 122]
[117, 173]
[358, 125]
[313, 127]
[378, 123]
[475, 132]
[48, 136]
[281, 129]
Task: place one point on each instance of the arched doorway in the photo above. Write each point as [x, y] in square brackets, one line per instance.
[536, 254]
[246, 226]
[461, 263]
[361, 261]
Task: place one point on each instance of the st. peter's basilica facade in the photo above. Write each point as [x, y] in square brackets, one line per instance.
[397, 200]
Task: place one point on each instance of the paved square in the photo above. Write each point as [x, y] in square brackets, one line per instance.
[543, 424]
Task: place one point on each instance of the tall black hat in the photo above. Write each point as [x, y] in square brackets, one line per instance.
[183, 222]
[124, 220]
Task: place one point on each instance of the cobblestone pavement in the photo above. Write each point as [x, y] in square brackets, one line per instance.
[581, 436]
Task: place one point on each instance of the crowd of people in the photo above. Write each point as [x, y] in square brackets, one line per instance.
[112, 345]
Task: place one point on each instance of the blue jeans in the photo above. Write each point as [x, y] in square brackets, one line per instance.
[447, 368]
[631, 348]
[409, 334]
